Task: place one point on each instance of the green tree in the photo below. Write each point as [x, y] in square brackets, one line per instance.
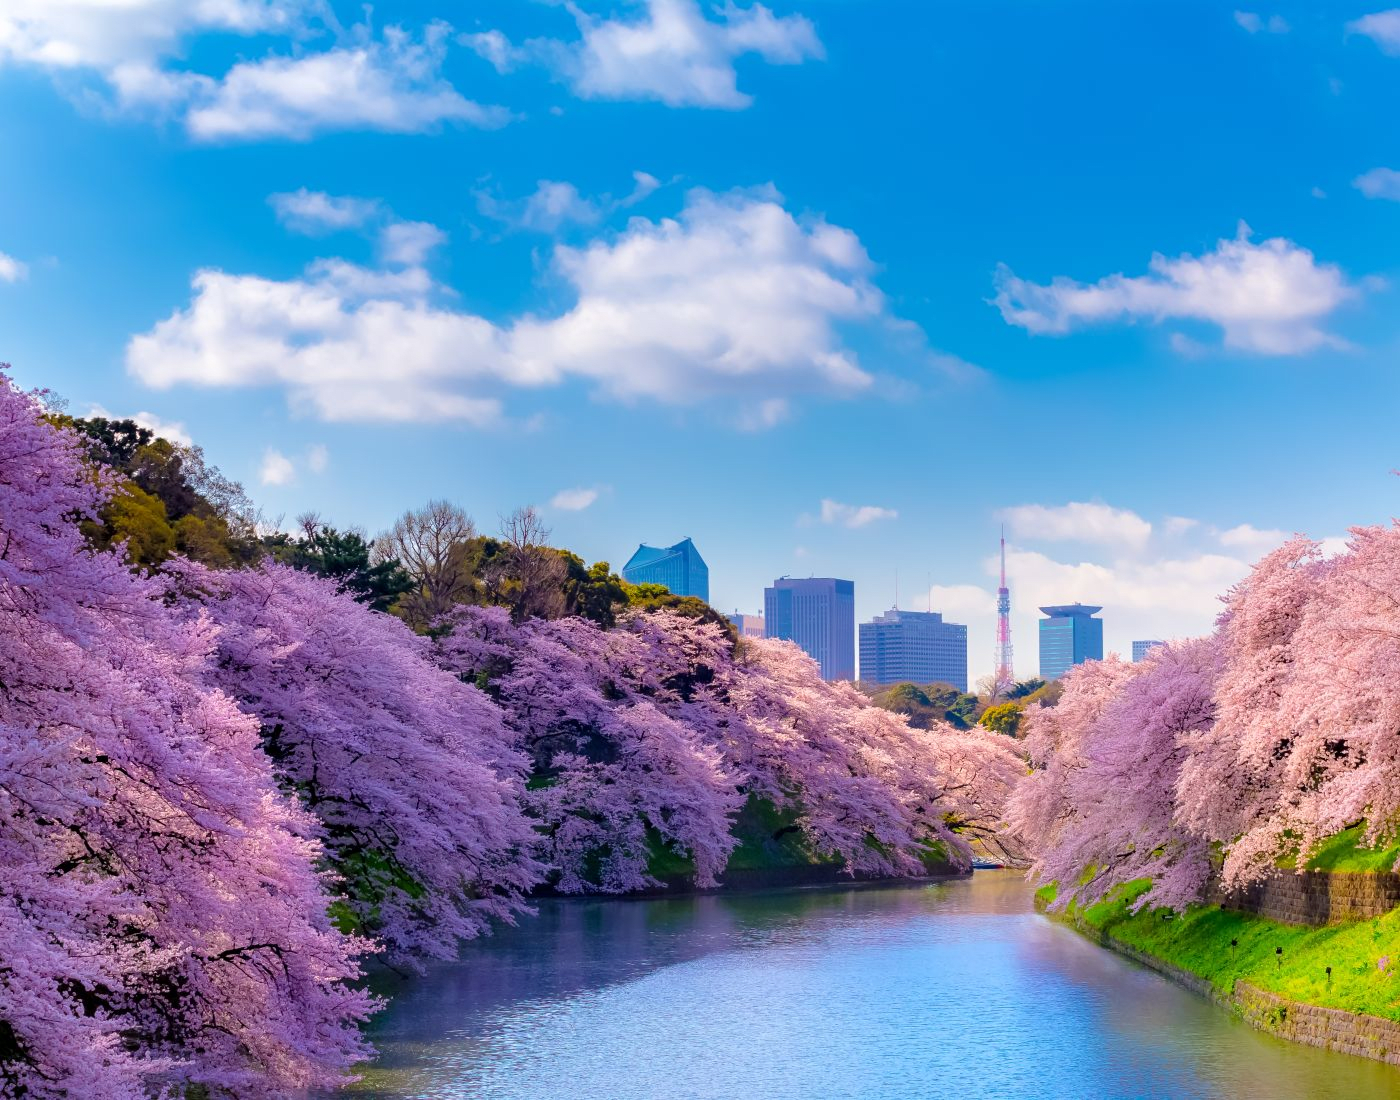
[345, 557]
[1003, 718]
[137, 518]
[201, 514]
[1022, 688]
[657, 597]
[927, 704]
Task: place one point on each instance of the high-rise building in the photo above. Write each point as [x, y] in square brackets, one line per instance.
[748, 626]
[915, 647]
[1068, 637]
[819, 614]
[680, 568]
[1140, 649]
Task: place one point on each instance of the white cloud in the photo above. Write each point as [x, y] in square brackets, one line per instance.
[1252, 540]
[1253, 22]
[1179, 525]
[761, 415]
[408, 244]
[733, 298]
[11, 269]
[172, 430]
[1165, 598]
[1170, 597]
[1268, 298]
[555, 203]
[1079, 521]
[853, 515]
[276, 469]
[496, 48]
[1382, 27]
[670, 52]
[961, 602]
[552, 205]
[1191, 585]
[393, 84]
[71, 34]
[1379, 183]
[315, 212]
[675, 55]
[318, 458]
[573, 500]
[645, 185]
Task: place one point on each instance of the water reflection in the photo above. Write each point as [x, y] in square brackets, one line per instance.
[952, 990]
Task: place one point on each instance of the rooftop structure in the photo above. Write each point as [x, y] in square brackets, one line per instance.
[819, 614]
[915, 647]
[1069, 636]
[680, 568]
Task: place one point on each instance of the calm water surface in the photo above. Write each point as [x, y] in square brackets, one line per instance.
[952, 990]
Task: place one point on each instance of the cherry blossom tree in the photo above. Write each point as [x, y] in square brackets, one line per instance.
[404, 765]
[1123, 736]
[1344, 696]
[161, 919]
[1240, 784]
[656, 733]
[615, 775]
[1057, 743]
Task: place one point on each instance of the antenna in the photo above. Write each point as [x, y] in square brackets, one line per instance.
[1005, 676]
[896, 588]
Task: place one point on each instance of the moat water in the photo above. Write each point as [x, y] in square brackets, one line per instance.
[955, 990]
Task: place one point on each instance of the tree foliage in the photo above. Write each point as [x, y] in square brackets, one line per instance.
[662, 729]
[161, 917]
[404, 766]
[346, 558]
[225, 781]
[169, 499]
[929, 705]
[1258, 743]
[1003, 718]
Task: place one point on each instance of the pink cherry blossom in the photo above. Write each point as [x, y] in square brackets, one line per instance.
[161, 918]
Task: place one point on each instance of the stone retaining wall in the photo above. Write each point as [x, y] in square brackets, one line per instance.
[1329, 1028]
[1316, 897]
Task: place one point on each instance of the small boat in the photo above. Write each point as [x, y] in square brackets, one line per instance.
[982, 863]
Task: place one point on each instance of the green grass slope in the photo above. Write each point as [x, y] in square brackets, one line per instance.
[1224, 947]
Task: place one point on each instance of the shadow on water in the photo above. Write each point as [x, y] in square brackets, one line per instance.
[949, 990]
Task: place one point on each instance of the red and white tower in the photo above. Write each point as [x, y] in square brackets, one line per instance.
[1005, 676]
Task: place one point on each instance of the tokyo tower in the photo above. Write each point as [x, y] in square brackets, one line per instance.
[1005, 677]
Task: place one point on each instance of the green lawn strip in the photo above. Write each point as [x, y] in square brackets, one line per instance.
[1344, 852]
[1199, 941]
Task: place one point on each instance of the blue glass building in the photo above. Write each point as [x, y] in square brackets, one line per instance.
[1140, 649]
[680, 568]
[1070, 636]
[819, 614]
[915, 647]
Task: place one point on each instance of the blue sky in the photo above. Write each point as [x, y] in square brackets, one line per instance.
[835, 288]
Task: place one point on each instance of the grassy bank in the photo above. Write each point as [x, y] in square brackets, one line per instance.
[1223, 947]
[1345, 852]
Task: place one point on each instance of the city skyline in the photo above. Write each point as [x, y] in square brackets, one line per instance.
[653, 299]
